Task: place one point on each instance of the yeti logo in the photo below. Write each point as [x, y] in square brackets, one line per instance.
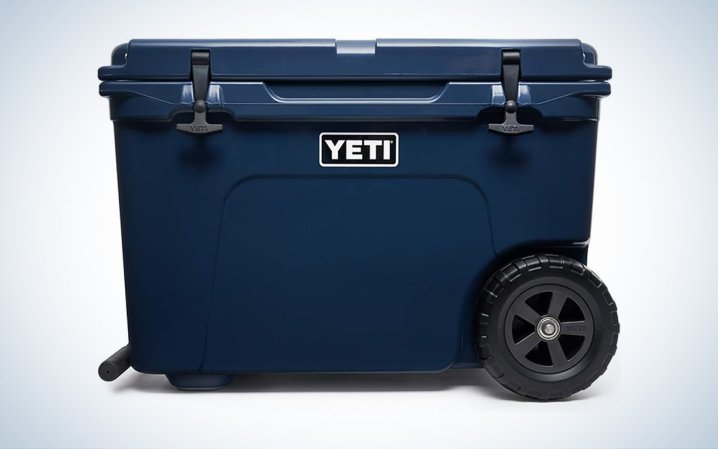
[359, 149]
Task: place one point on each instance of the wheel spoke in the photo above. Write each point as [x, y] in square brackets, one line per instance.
[579, 328]
[558, 299]
[526, 312]
[527, 344]
[558, 358]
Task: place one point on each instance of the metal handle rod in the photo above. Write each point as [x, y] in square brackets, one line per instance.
[115, 365]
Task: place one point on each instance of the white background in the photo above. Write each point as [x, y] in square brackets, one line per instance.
[653, 240]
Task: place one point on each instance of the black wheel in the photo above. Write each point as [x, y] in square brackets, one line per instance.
[546, 326]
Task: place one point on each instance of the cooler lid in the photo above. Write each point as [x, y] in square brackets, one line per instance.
[328, 59]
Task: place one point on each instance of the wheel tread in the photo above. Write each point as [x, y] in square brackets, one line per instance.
[491, 293]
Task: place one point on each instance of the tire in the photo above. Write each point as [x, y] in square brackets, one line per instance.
[546, 327]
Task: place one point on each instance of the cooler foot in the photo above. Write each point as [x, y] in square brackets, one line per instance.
[199, 382]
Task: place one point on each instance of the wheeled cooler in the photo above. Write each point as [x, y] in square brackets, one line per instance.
[359, 206]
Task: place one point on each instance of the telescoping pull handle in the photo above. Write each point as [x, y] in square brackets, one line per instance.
[510, 71]
[200, 86]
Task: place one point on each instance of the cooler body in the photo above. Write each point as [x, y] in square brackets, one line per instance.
[352, 205]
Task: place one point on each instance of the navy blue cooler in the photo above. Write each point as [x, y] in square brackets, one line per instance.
[329, 206]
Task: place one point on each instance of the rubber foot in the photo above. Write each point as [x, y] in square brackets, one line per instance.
[199, 382]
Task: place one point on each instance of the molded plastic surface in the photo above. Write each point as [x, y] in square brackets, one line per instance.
[330, 59]
[242, 253]
[258, 101]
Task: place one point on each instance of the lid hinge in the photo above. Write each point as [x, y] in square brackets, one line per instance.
[510, 74]
[200, 86]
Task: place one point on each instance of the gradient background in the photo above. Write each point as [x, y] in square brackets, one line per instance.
[654, 240]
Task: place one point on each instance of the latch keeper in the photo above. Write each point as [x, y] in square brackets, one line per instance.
[510, 74]
[200, 86]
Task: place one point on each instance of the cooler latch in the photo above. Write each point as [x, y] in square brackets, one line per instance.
[200, 86]
[510, 73]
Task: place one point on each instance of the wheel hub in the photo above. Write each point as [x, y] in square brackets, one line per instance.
[548, 328]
